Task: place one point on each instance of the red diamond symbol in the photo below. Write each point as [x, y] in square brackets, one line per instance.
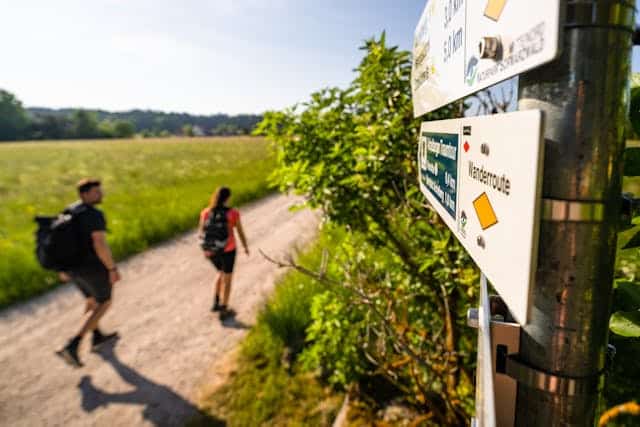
[466, 146]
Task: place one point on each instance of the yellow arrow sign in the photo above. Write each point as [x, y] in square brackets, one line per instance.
[494, 9]
[484, 210]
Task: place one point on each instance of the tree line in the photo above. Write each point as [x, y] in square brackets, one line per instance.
[20, 123]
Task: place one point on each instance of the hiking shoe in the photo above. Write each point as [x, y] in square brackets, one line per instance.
[226, 313]
[70, 355]
[98, 339]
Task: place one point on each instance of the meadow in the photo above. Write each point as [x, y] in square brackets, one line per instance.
[154, 189]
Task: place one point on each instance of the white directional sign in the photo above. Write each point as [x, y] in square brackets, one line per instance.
[463, 46]
[482, 175]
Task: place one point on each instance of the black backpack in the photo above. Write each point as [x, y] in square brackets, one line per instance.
[58, 245]
[216, 231]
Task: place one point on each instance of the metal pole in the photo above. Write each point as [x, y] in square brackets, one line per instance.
[584, 97]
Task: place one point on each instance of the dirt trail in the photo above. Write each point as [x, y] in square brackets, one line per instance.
[169, 340]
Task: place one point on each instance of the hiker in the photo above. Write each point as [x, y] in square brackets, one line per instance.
[95, 272]
[216, 231]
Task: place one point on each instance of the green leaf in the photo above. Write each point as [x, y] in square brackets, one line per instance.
[630, 292]
[634, 242]
[632, 161]
[626, 323]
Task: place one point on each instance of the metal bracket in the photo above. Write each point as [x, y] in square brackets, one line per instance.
[572, 211]
[617, 14]
[554, 384]
[504, 339]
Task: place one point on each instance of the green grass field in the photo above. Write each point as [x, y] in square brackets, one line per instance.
[154, 189]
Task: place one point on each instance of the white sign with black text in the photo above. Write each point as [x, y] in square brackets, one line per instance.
[483, 175]
[463, 46]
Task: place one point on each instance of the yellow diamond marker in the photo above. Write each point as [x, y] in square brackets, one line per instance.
[494, 9]
[485, 212]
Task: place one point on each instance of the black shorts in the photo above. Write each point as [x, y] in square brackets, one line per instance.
[93, 282]
[224, 261]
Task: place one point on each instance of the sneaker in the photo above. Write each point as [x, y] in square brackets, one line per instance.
[70, 355]
[98, 339]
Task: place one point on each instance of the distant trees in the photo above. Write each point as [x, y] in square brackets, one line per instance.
[49, 127]
[187, 129]
[227, 129]
[19, 123]
[85, 125]
[13, 117]
[123, 129]
[116, 129]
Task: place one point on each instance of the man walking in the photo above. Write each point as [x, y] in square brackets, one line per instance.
[95, 272]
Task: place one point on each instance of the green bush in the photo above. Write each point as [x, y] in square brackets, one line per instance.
[335, 336]
[352, 153]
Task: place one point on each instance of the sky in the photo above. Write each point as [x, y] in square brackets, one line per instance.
[230, 56]
[196, 56]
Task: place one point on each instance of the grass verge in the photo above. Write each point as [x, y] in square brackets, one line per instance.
[268, 387]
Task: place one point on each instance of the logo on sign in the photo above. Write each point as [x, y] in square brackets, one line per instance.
[463, 224]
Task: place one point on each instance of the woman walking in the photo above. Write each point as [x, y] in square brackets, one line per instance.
[216, 230]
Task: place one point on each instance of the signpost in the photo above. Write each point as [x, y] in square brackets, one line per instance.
[482, 175]
[463, 46]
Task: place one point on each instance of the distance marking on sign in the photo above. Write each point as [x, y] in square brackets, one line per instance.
[463, 46]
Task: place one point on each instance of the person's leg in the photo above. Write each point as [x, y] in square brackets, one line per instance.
[226, 279]
[91, 323]
[219, 284]
[218, 289]
[229, 260]
[90, 304]
[97, 288]
[70, 352]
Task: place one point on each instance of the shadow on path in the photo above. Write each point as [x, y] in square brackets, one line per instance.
[162, 406]
[232, 323]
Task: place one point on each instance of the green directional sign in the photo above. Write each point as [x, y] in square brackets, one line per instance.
[439, 168]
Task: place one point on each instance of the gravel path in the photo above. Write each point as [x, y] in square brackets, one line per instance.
[169, 341]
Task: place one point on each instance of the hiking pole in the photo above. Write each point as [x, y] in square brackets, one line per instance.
[584, 97]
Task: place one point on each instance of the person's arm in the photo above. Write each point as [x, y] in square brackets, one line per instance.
[103, 251]
[243, 239]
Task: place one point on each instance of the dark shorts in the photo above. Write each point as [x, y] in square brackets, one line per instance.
[224, 261]
[93, 283]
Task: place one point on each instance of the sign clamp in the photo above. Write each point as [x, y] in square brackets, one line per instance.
[550, 383]
[572, 210]
[505, 344]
